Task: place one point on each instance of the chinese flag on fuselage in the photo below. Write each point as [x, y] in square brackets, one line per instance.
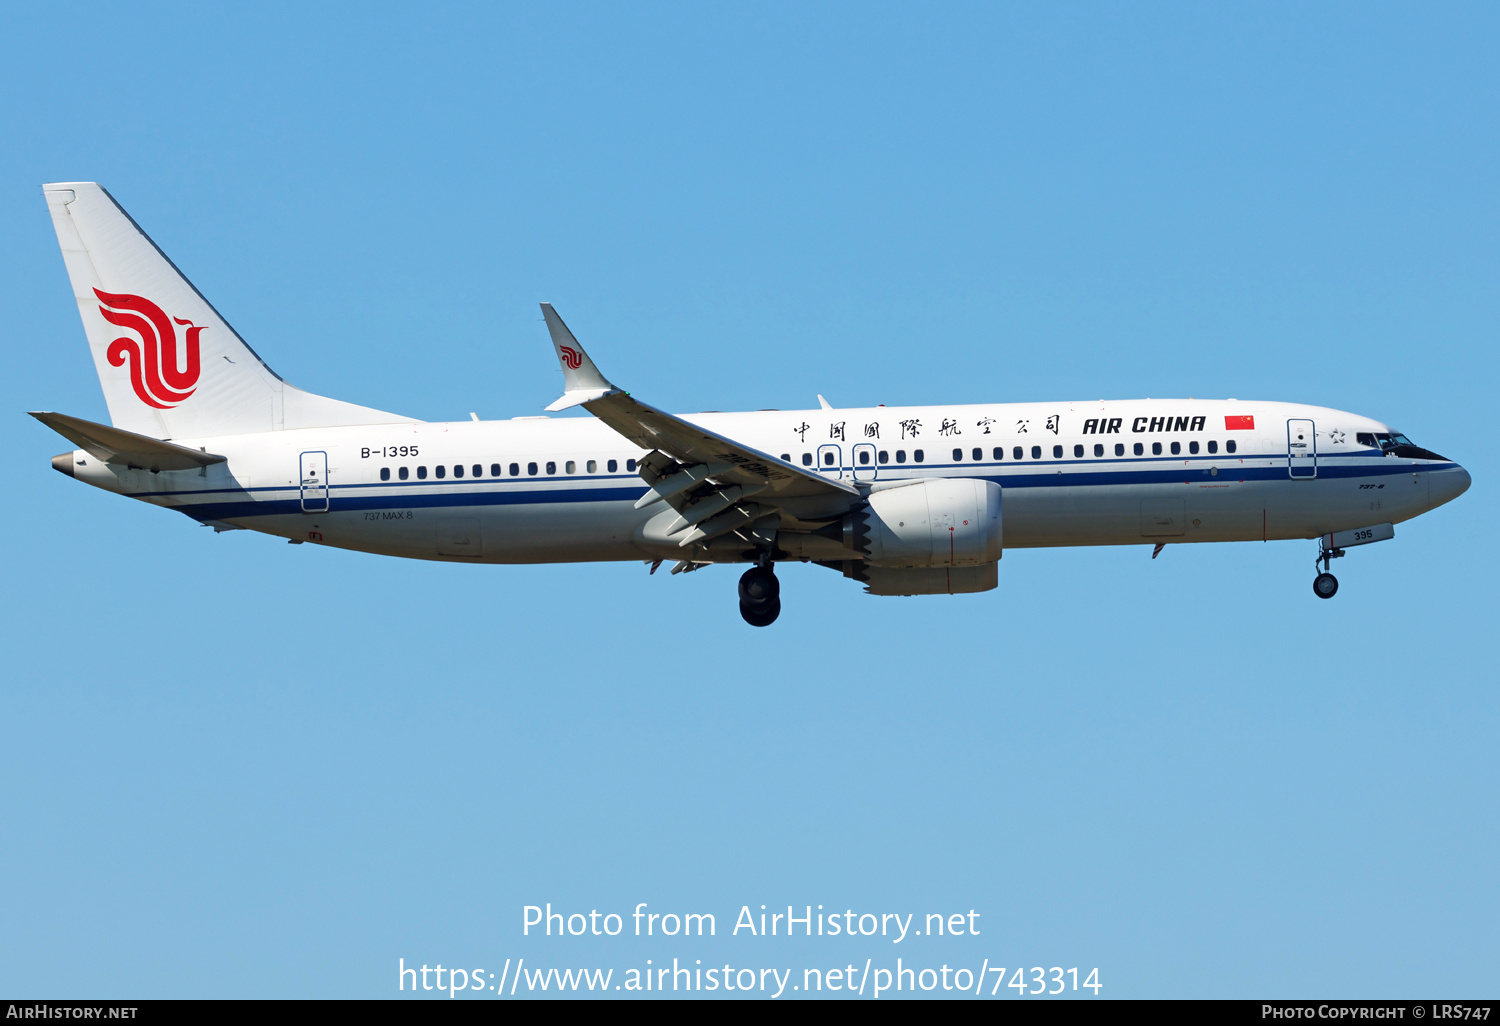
[1239, 423]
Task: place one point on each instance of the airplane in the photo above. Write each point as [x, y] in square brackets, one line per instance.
[904, 500]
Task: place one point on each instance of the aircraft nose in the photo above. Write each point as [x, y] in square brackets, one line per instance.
[1447, 485]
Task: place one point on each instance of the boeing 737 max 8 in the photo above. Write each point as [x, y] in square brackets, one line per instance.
[906, 500]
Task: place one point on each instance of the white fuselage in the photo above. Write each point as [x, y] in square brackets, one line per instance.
[534, 490]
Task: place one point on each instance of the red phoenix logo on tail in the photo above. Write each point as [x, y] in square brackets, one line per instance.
[155, 373]
[570, 356]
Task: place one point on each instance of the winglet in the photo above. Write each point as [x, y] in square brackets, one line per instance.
[581, 379]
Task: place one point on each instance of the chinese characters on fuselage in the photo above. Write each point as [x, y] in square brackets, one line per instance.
[912, 428]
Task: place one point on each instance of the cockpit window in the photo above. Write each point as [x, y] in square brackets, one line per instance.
[1381, 440]
[1396, 444]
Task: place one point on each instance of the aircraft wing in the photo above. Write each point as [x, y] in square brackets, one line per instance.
[126, 448]
[697, 450]
[688, 443]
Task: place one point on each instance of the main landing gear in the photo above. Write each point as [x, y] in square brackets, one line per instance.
[760, 596]
[1325, 585]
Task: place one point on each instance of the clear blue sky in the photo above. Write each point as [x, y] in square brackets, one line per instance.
[241, 768]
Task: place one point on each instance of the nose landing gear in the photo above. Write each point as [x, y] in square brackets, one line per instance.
[1325, 585]
[760, 596]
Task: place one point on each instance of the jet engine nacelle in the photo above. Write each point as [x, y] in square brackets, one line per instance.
[943, 522]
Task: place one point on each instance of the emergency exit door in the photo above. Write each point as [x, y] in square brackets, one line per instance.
[315, 482]
[831, 461]
[1301, 449]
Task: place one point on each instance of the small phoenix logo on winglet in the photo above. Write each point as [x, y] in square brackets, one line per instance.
[572, 357]
[155, 375]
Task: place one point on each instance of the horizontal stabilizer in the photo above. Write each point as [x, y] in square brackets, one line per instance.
[126, 448]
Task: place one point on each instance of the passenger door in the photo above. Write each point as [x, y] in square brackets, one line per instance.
[314, 482]
[1301, 449]
[865, 467]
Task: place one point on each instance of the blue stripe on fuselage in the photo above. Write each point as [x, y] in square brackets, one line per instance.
[439, 494]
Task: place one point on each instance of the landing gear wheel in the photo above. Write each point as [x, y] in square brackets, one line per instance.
[760, 596]
[759, 585]
[1325, 585]
[761, 616]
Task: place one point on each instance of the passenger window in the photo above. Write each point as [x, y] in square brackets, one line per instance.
[1230, 446]
[479, 471]
[1156, 448]
[531, 469]
[1078, 452]
[458, 471]
[1213, 447]
[551, 468]
[999, 453]
[1036, 452]
[613, 465]
[495, 470]
[958, 455]
[1098, 449]
[440, 472]
[571, 467]
[786, 457]
[630, 466]
[401, 473]
[1057, 452]
[515, 470]
[385, 473]
[1119, 448]
[918, 455]
[421, 473]
[807, 459]
[900, 455]
[864, 456]
[1018, 452]
[884, 457]
[1192, 448]
[828, 459]
[978, 455]
[593, 466]
[1176, 448]
[1140, 450]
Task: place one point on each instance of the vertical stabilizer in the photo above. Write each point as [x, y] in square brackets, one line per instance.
[170, 366]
